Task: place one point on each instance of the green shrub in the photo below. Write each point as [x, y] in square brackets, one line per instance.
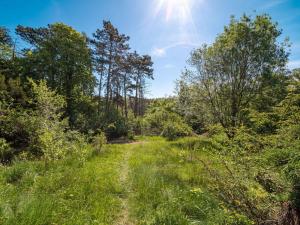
[52, 145]
[114, 125]
[173, 130]
[247, 140]
[237, 219]
[98, 142]
[264, 122]
[135, 125]
[14, 174]
[5, 151]
[160, 119]
[280, 157]
[215, 129]
[292, 171]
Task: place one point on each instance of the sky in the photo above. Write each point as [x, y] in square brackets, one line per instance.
[168, 30]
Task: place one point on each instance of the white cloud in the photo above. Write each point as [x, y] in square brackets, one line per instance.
[169, 66]
[158, 52]
[294, 64]
[161, 52]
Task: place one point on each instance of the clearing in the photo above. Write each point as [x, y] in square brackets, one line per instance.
[147, 182]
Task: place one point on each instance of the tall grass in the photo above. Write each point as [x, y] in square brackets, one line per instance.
[188, 181]
[169, 189]
[66, 193]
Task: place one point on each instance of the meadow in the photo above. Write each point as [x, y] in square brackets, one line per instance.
[150, 181]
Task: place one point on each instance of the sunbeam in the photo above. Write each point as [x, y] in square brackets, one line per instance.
[179, 10]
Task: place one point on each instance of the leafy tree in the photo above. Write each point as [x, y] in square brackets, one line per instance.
[229, 72]
[271, 92]
[61, 56]
[191, 106]
[49, 135]
[13, 108]
[161, 119]
[5, 39]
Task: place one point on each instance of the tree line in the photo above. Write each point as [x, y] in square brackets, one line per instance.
[78, 67]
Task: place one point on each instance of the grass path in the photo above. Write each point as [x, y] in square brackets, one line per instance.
[123, 218]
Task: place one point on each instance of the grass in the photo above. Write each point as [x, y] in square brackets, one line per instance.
[150, 182]
[66, 193]
[169, 188]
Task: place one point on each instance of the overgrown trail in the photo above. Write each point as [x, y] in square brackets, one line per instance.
[123, 218]
[161, 185]
[142, 183]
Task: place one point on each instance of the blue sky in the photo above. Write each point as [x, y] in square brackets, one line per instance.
[166, 29]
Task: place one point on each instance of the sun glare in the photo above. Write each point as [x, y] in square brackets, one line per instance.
[179, 10]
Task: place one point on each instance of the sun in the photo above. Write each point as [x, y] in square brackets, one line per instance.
[179, 10]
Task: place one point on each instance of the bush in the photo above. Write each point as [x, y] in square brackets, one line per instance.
[173, 130]
[48, 136]
[5, 151]
[135, 125]
[52, 145]
[264, 123]
[14, 174]
[114, 125]
[98, 142]
[161, 120]
[215, 129]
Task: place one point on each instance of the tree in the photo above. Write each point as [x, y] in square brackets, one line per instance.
[6, 52]
[142, 70]
[5, 38]
[49, 128]
[229, 72]
[190, 105]
[61, 56]
[109, 47]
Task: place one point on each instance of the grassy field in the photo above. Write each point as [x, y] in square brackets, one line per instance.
[151, 181]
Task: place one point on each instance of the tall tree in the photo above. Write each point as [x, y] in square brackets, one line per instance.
[142, 71]
[229, 71]
[6, 51]
[109, 46]
[60, 55]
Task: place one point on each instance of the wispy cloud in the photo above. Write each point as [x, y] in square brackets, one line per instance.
[169, 66]
[294, 64]
[273, 3]
[158, 52]
[162, 51]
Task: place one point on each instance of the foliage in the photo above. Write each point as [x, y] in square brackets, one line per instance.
[228, 73]
[60, 55]
[191, 106]
[174, 130]
[161, 119]
[5, 151]
[99, 141]
[120, 72]
[48, 135]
